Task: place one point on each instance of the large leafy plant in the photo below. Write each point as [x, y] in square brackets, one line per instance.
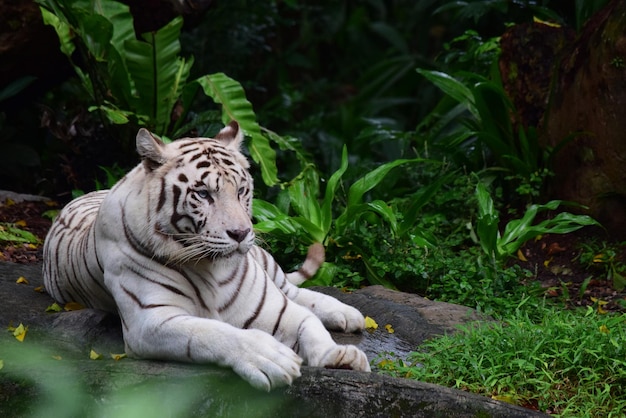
[498, 246]
[477, 117]
[300, 212]
[145, 81]
[483, 107]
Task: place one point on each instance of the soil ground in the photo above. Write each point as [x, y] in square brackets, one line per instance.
[577, 269]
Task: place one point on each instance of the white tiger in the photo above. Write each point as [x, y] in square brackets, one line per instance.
[170, 248]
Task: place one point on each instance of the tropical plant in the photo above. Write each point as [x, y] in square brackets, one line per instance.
[498, 246]
[12, 232]
[145, 81]
[604, 257]
[300, 213]
[476, 117]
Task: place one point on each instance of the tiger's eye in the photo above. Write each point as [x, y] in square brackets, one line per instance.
[241, 191]
[204, 194]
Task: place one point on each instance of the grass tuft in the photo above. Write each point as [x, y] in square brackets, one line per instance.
[567, 363]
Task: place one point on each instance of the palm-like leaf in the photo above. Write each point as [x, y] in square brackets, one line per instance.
[158, 73]
[235, 106]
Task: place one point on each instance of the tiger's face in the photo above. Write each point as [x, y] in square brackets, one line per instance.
[201, 193]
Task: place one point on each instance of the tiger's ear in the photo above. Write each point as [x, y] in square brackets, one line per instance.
[151, 149]
[231, 135]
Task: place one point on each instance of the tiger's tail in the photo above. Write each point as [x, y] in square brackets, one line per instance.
[314, 259]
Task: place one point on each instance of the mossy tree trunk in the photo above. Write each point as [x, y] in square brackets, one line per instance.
[585, 106]
[589, 96]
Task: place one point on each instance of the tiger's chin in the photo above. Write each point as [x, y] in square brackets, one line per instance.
[234, 254]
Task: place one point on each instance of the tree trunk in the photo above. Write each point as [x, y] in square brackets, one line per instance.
[588, 102]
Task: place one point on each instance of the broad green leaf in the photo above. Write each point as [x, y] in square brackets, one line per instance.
[373, 277]
[494, 110]
[331, 187]
[118, 14]
[158, 73]
[269, 218]
[115, 116]
[423, 238]
[383, 210]
[517, 232]
[235, 106]
[323, 277]
[487, 222]
[63, 30]
[453, 88]
[360, 187]
[371, 179]
[121, 21]
[11, 233]
[313, 231]
[303, 195]
[619, 281]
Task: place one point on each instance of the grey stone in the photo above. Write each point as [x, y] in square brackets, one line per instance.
[54, 360]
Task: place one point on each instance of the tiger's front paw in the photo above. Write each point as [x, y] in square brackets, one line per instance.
[263, 361]
[346, 319]
[345, 357]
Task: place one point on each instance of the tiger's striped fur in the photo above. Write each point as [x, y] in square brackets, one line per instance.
[170, 248]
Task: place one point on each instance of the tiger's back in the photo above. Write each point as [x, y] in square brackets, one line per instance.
[72, 271]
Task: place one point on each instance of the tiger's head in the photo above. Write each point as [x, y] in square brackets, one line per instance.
[200, 195]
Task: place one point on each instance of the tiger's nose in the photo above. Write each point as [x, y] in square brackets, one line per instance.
[238, 234]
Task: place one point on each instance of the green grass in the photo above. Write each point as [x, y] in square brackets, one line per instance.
[567, 363]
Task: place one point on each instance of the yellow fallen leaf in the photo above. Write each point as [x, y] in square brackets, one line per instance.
[21, 223]
[600, 302]
[604, 329]
[599, 258]
[370, 323]
[31, 246]
[20, 332]
[547, 262]
[39, 289]
[9, 202]
[21, 280]
[94, 356]
[73, 306]
[57, 357]
[386, 364]
[389, 329]
[505, 398]
[118, 357]
[520, 256]
[54, 308]
[51, 203]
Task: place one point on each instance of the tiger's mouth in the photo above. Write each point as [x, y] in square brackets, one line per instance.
[194, 250]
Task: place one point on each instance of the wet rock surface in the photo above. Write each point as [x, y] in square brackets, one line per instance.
[54, 360]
